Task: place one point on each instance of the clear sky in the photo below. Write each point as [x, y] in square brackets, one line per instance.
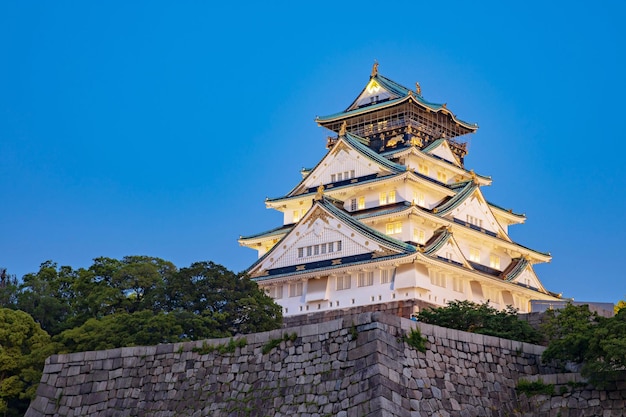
[158, 128]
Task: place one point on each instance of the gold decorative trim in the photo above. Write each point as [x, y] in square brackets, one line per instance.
[342, 130]
[318, 214]
[300, 267]
[336, 262]
[383, 252]
[320, 193]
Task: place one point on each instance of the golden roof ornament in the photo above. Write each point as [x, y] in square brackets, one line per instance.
[418, 89]
[474, 177]
[342, 130]
[375, 69]
[320, 193]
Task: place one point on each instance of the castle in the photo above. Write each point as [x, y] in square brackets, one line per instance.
[392, 214]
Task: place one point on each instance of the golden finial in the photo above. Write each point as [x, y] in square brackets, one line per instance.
[342, 131]
[375, 69]
[474, 176]
[418, 89]
[444, 105]
[320, 193]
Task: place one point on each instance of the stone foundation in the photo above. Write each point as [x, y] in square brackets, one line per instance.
[350, 367]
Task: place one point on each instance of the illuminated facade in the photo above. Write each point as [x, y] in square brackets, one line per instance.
[391, 213]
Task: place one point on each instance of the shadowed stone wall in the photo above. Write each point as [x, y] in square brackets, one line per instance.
[350, 367]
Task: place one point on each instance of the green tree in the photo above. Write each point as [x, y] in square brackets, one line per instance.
[46, 295]
[481, 318]
[132, 284]
[568, 331]
[8, 289]
[233, 301]
[606, 354]
[24, 346]
[142, 328]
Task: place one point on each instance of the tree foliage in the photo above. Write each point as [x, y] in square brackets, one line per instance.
[481, 318]
[580, 336]
[24, 347]
[568, 331]
[133, 301]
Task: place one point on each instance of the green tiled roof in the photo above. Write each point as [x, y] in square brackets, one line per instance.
[516, 267]
[356, 142]
[395, 89]
[366, 230]
[436, 241]
[458, 198]
[273, 232]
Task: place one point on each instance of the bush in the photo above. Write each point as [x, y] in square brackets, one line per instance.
[481, 318]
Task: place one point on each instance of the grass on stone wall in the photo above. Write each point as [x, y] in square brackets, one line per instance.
[222, 348]
[534, 388]
[416, 340]
[273, 343]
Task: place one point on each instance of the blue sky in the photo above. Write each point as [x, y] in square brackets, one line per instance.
[158, 128]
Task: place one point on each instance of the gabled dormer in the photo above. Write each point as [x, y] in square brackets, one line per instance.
[348, 161]
[442, 245]
[326, 237]
[469, 207]
[521, 272]
[440, 148]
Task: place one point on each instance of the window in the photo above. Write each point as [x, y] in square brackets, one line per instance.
[438, 278]
[333, 178]
[393, 228]
[494, 261]
[361, 204]
[442, 177]
[457, 284]
[320, 249]
[419, 236]
[275, 292]
[366, 279]
[353, 204]
[385, 276]
[352, 173]
[492, 295]
[474, 255]
[387, 197]
[298, 214]
[475, 221]
[295, 289]
[343, 282]
[422, 169]
[418, 198]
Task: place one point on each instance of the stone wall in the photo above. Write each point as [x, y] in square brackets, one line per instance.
[350, 367]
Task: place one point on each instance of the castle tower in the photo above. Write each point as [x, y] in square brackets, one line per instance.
[391, 213]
